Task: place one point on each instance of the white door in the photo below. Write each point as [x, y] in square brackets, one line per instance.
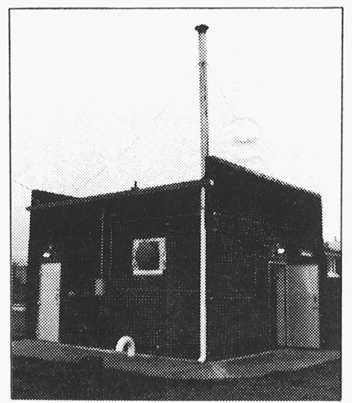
[302, 305]
[49, 302]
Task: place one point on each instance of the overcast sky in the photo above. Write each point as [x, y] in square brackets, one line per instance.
[101, 98]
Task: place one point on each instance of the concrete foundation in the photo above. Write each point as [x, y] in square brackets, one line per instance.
[166, 367]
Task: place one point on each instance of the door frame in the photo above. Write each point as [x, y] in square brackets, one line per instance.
[273, 272]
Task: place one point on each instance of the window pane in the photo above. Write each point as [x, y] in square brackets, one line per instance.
[147, 255]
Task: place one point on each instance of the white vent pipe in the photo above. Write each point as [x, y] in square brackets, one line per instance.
[204, 145]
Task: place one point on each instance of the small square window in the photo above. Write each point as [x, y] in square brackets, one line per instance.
[149, 256]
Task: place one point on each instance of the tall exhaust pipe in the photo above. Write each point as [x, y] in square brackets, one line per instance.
[203, 95]
[204, 151]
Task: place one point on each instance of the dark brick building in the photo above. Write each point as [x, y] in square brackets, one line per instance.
[128, 263]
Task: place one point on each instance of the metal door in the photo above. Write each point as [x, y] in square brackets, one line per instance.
[303, 328]
[49, 302]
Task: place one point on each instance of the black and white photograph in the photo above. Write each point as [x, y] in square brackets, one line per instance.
[175, 202]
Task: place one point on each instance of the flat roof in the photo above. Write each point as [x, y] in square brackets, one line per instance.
[70, 200]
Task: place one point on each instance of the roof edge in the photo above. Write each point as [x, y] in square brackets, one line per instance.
[108, 196]
[261, 175]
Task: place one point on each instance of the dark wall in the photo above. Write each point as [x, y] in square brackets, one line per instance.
[248, 218]
[264, 202]
[160, 312]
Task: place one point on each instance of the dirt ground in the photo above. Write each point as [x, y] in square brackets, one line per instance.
[36, 379]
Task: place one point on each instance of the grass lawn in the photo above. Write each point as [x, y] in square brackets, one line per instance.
[36, 379]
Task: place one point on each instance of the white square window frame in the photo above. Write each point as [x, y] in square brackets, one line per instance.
[162, 257]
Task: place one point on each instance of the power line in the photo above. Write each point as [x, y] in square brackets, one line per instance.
[21, 184]
[238, 120]
[175, 94]
[102, 170]
[153, 121]
[220, 89]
